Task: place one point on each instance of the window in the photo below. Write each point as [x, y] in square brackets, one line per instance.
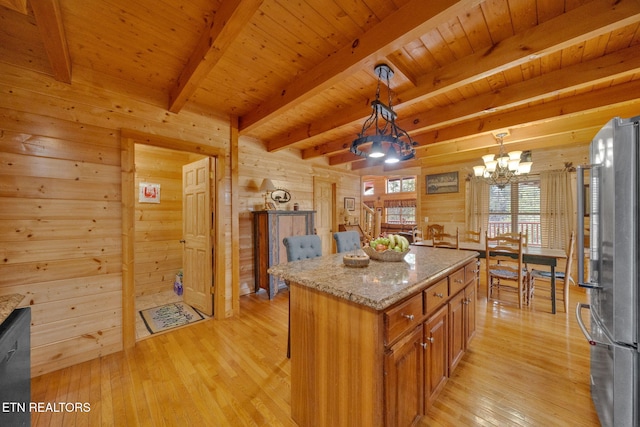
[401, 215]
[368, 188]
[401, 185]
[400, 211]
[516, 207]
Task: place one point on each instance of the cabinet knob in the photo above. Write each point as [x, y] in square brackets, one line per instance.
[407, 316]
[438, 295]
[424, 345]
[430, 339]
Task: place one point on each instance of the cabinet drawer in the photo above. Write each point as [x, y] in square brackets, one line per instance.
[456, 281]
[400, 319]
[436, 295]
[471, 271]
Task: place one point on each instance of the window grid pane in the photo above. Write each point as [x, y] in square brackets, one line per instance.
[516, 207]
[406, 215]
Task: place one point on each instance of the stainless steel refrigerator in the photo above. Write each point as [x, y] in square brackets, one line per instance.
[610, 205]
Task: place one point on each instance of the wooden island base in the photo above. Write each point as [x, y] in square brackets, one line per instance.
[336, 362]
[352, 364]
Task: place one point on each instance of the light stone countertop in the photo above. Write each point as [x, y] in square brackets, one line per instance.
[379, 285]
[8, 303]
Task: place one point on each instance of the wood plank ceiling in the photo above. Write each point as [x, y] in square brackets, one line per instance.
[299, 74]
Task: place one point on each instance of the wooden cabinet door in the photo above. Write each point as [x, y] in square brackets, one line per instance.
[298, 225]
[285, 229]
[457, 329]
[470, 296]
[436, 360]
[404, 388]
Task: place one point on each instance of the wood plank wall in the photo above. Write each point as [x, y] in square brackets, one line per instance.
[60, 233]
[60, 205]
[449, 209]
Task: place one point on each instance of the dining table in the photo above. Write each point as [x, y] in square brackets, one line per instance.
[534, 255]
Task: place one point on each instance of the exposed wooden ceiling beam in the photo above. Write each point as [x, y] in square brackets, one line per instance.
[227, 24]
[49, 20]
[621, 103]
[593, 19]
[539, 142]
[569, 138]
[575, 77]
[409, 22]
[559, 117]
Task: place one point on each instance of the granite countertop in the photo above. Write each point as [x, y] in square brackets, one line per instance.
[379, 285]
[8, 303]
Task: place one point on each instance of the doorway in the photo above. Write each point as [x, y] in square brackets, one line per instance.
[173, 257]
[133, 237]
[324, 203]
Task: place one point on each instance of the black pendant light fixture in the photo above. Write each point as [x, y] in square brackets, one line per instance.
[380, 137]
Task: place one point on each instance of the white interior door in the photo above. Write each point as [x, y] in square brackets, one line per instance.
[196, 227]
[324, 205]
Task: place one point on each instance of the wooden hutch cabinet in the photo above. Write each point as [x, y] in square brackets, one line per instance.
[269, 228]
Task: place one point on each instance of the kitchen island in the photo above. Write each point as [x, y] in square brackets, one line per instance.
[374, 346]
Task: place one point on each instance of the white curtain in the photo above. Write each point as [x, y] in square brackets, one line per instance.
[477, 205]
[556, 208]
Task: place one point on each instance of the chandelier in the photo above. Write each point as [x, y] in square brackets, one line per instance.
[380, 136]
[506, 168]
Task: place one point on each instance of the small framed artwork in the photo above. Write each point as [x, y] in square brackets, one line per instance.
[149, 193]
[350, 203]
[442, 183]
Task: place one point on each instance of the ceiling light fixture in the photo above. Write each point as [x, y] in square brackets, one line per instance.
[506, 168]
[380, 134]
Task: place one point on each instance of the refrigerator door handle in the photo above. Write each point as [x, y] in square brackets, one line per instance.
[583, 328]
[580, 228]
[590, 339]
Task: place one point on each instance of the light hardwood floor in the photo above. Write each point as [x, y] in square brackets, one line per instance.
[524, 368]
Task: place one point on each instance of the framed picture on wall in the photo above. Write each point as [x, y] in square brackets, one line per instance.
[442, 183]
[350, 203]
[149, 193]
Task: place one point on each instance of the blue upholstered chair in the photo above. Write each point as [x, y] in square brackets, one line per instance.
[300, 248]
[347, 241]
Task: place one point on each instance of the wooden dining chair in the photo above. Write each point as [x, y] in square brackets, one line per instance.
[446, 240]
[514, 235]
[471, 236]
[563, 278]
[504, 268]
[433, 230]
[299, 248]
